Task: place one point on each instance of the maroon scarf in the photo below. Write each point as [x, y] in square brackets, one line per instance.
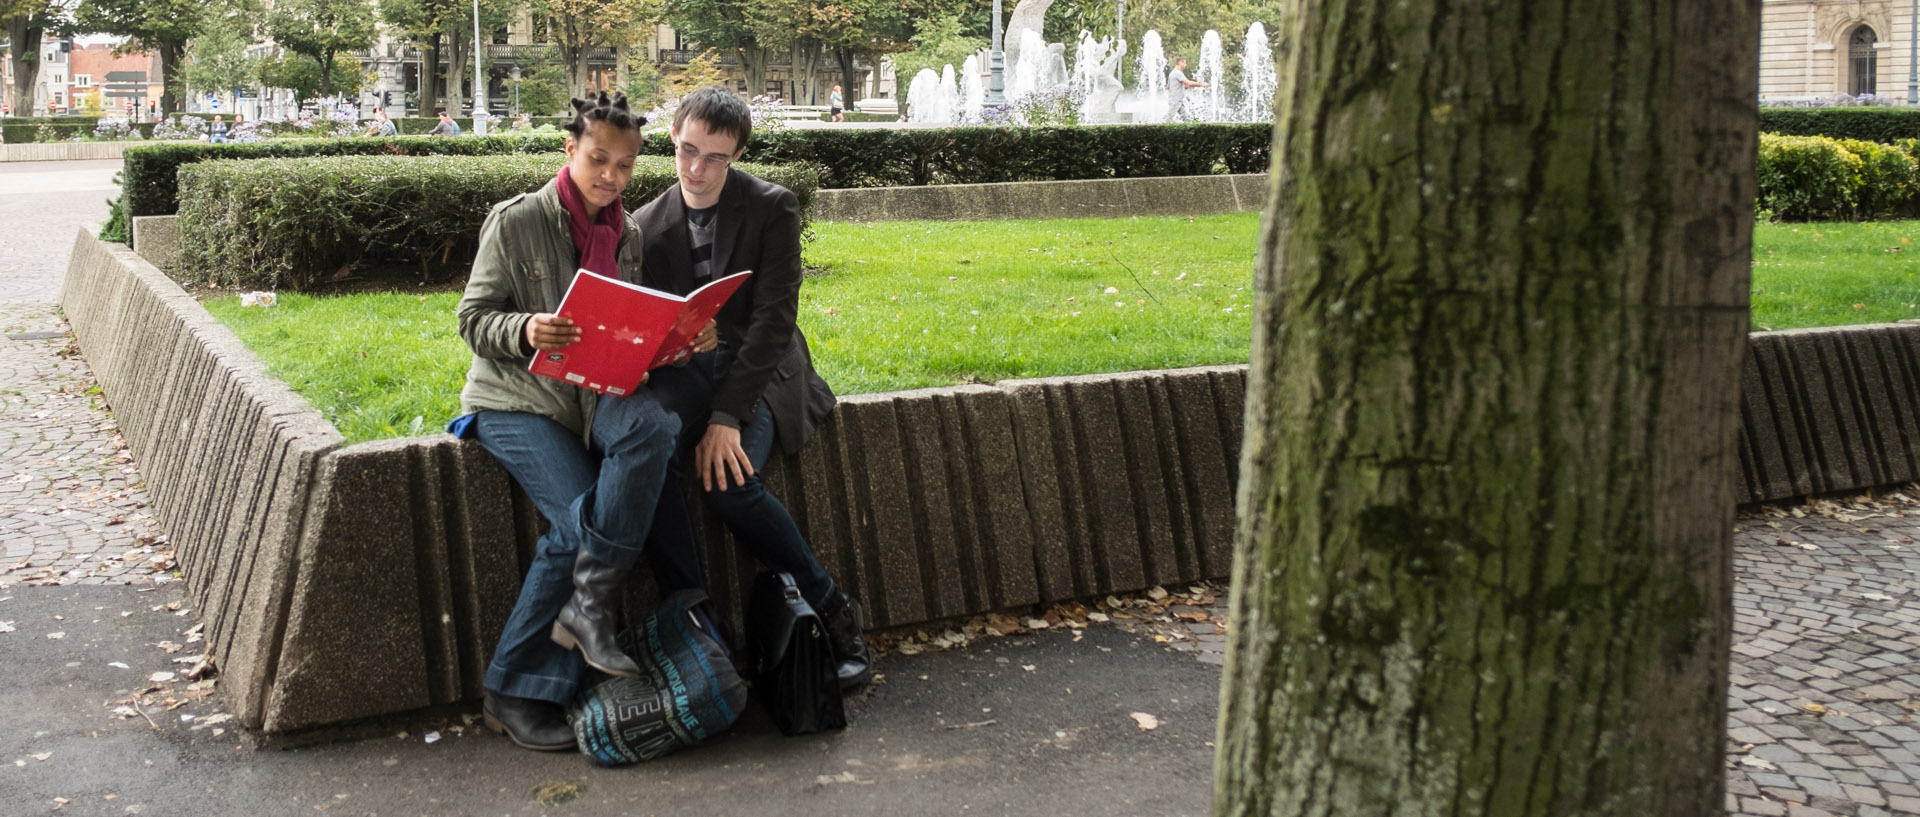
[598, 241]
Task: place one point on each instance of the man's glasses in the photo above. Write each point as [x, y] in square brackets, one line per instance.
[692, 155]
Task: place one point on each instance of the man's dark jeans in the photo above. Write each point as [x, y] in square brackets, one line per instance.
[759, 522]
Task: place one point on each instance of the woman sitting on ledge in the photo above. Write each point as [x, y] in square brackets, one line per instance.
[592, 464]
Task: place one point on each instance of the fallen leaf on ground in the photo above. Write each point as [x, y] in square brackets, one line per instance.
[1147, 722]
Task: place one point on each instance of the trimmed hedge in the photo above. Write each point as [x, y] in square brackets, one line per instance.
[1870, 123]
[1814, 178]
[151, 171]
[291, 222]
[845, 158]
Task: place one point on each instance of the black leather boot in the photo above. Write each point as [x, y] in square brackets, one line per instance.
[588, 622]
[530, 723]
[845, 626]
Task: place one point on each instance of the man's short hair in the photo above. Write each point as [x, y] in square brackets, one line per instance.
[720, 110]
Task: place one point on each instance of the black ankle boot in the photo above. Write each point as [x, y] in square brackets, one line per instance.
[528, 722]
[841, 615]
[587, 623]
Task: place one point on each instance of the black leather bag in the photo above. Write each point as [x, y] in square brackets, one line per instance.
[793, 668]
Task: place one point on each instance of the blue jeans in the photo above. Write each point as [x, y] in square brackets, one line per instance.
[600, 497]
[759, 522]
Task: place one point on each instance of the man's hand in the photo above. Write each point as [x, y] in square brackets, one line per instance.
[718, 455]
[707, 338]
[547, 332]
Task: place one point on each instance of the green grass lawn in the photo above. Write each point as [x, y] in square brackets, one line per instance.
[895, 306]
[1833, 274]
[909, 304]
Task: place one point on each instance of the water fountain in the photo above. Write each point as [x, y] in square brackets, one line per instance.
[924, 100]
[1150, 101]
[949, 95]
[973, 89]
[1029, 72]
[1096, 67]
[1257, 78]
[1209, 103]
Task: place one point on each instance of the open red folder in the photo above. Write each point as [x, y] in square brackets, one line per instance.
[627, 330]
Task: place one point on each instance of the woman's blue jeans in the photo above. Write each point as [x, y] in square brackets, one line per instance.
[601, 497]
[759, 522]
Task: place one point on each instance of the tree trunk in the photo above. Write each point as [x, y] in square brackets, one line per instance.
[850, 85]
[456, 76]
[429, 72]
[806, 72]
[326, 73]
[753, 62]
[622, 74]
[25, 59]
[173, 80]
[1483, 564]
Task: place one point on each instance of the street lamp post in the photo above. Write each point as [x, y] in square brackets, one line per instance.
[1913, 56]
[997, 66]
[479, 78]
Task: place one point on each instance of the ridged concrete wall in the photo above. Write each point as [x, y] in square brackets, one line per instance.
[66, 151]
[1830, 410]
[343, 582]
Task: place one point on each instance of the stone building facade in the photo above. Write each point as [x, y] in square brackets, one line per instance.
[1823, 49]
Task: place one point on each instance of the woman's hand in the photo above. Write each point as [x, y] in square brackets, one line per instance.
[707, 338]
[547, 331]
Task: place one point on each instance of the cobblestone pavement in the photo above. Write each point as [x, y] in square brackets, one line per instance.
[1824, 689]
[41, 206]
[73, 509]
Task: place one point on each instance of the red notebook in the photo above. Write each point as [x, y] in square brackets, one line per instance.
[627, 330]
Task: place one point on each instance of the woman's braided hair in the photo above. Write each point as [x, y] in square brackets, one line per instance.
[598, 107]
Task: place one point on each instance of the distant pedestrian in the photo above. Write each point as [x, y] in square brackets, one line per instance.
[446, 127]
[835, 103]
[1177, 85]
[380, 125]
[153, 111]
[217, 133]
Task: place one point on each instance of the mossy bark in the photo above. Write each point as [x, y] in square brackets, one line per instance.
[1483, 562]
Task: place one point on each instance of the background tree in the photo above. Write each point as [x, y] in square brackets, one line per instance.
[217, 58]
[1483, 564]
[26, 23]
[320, 30]
[940, 41]
[301, 74]
[421, 23]
[162, 26]
[725, 25]
[581, 26]
[542, 87]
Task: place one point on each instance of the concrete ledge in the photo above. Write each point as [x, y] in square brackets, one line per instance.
[340, 582]
[1830, 410]
[67, 151]
[1090, 198]
[157, 239]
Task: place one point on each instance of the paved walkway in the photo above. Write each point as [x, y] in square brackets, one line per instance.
[71, 505]
[1822, 703]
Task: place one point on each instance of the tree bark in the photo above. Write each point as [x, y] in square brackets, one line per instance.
[753, 62]
[850, 86]
[806, 72]
[173, 81]
[1483, 563]
[456, 76]
[25, 57]
[429, 95]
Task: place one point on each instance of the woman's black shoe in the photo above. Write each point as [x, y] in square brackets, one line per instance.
[531, 723]
[841, 615]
